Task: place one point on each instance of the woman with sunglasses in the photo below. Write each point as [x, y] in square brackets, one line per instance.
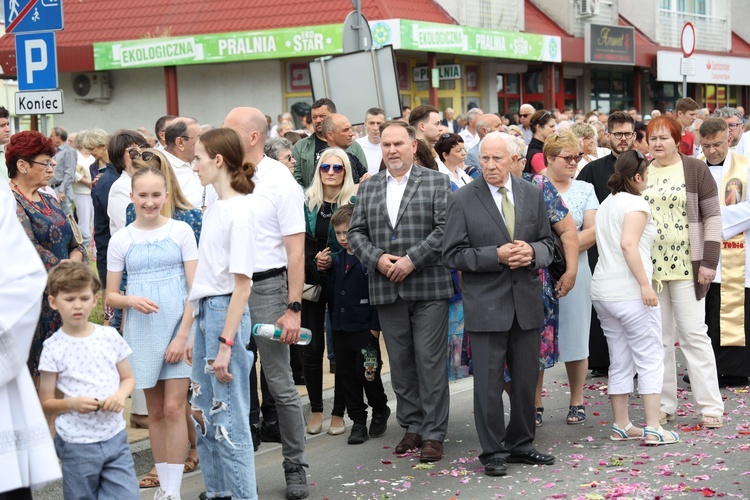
[542, 124]
[562, 154]
[280, 149]
[684, 202]
[30, 168]
[332, 187]
[626, 303]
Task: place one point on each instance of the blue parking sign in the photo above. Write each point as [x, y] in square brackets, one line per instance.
[33, 16]
[36, 61]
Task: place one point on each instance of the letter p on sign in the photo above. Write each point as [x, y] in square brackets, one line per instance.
[36, 61]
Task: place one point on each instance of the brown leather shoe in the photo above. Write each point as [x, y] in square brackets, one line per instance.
[432, 451]
[410, 441]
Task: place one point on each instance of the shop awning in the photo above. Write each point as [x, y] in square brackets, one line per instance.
[538, 22]
[645, 48]
[91, 21]
[740, 47]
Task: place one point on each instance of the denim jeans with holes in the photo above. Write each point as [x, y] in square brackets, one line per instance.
[225, 447]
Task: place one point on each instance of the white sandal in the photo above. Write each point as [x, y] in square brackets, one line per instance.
[661, 436]
[622, 434]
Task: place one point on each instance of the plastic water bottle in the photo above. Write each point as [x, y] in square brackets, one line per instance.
[273, 332]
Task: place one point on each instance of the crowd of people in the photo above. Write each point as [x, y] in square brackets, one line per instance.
[476, 245]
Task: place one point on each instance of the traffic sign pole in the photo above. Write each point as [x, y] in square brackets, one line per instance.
[687, 42]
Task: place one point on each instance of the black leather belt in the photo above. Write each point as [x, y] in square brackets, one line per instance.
[264, 275]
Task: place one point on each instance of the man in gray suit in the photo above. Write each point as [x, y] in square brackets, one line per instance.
[397, 232]
[487, 123]
[498, 235]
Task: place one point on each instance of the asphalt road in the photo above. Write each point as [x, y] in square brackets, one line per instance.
[706, 463]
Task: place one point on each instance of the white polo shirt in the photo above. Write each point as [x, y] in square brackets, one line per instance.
[373, 153]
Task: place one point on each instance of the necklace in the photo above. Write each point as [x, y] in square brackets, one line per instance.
[326, 214]
[46, 210]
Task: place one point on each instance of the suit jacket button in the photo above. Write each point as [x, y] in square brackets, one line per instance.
[515, 282]
[343, 309]
[343, 292]
[393, 237]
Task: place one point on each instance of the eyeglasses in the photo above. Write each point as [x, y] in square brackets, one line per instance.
[621, 135]
[337, 167]
[733, 126]
[46, 164]
[144, 155]
[570, 158]
[446, 136]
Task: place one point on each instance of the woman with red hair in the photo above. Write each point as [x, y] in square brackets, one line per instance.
[30, 167]
[684, 203]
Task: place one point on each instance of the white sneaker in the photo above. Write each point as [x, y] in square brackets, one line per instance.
[160, 494]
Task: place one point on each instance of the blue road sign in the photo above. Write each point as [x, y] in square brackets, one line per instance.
[33, 16]
[36, 61]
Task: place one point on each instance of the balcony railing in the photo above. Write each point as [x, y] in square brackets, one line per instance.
[711, 33]
[503, 15]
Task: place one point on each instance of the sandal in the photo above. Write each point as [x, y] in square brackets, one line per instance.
[191, 464]
[712, 421]
[151, 480]
[539, 413]
[622, 434]
[576, 414]
[665, 417]
[661, 436]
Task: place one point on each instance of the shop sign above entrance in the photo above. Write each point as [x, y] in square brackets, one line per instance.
[610, 44]
[315, 41]
[445, 72]
[309, 41]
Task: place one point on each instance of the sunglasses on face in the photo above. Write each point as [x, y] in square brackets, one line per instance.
[144, 155]
[337, 167]
[569, 158]
[524, 115]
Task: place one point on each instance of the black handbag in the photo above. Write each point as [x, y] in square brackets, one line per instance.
[558, 266]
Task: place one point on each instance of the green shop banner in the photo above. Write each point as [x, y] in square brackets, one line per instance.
[315, 41]
[465, 40]
[312, 41]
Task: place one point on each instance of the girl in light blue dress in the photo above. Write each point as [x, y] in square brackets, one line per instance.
[160, 256]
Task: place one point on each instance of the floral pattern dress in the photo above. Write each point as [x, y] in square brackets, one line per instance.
[52, 237]
[556, 211]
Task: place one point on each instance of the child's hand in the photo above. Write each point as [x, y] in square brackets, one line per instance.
[221, 364]
[83, 404]
[323, 259]
[114, 403]
[143, 305]
[189, 353]
[176, 351]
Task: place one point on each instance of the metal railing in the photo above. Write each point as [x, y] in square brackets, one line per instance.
[503, 15]
[712, 33]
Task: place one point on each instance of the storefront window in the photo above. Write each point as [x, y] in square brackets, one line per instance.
[533, 82]
[611, 90]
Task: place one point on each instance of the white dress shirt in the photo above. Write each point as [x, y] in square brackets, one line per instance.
[394, 194]
[498, 197]
[470, 140]
[188, 180]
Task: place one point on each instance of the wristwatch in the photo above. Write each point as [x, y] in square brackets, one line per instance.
[294, 306]
[230, 343]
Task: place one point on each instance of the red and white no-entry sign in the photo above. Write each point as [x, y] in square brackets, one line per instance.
[687, 39]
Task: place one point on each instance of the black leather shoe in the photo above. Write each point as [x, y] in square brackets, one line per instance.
[531, 457]
[269, 432]
[599, 373]
[686, 378]
[732, 381]
[495, 467]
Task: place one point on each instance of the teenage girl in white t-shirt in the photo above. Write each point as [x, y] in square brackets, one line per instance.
[626, 303]
[220, 293]
[160, 256]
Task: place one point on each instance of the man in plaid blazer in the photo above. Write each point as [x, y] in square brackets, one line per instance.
[397, 232]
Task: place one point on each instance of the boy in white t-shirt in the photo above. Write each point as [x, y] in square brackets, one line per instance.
[88, 364]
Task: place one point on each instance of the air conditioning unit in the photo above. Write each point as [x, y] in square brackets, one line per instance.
[91, 86]
[587, 8]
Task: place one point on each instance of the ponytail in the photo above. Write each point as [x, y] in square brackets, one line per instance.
[242, 178]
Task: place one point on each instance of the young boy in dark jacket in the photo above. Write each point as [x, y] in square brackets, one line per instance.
[356, 338]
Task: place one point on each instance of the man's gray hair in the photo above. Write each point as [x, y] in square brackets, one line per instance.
[728, 112]
[275, 146]
[473, 113]
[510, 142]
[178, 128]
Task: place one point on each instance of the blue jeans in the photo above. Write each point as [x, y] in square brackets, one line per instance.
[225, 447]
[98, 470]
